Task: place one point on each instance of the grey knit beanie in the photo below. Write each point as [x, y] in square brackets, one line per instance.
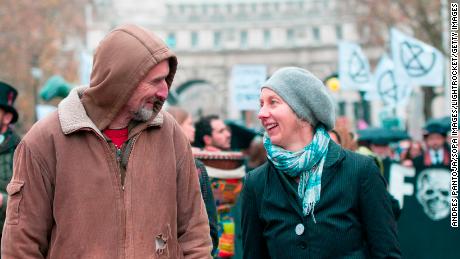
[305, 94]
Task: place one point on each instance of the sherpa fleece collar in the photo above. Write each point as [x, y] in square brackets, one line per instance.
[73, 117]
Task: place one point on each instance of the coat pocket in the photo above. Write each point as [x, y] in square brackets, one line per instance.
[14, 190]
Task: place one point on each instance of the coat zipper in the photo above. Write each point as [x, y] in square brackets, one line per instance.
[119, 157]
[118, 153]
[118, 173]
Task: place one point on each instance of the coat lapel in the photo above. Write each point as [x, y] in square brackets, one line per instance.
[286, 188]
[334, 155]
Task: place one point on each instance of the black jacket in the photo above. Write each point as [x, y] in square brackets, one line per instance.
[7, 148]
[354, 218]
[208, 198]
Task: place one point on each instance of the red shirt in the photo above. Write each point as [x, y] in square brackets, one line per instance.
[118, 136]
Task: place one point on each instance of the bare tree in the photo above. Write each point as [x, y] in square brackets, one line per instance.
[40, 33]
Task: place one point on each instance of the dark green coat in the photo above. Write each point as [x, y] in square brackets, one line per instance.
[7, 147]
[354, 216]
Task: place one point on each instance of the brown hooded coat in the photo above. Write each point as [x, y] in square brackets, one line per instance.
[66, 198]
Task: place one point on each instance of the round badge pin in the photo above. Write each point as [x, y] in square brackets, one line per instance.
[299, 229]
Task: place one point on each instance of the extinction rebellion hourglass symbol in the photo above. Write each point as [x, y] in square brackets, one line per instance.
[357, 69]
[387, 87]
[415, 59]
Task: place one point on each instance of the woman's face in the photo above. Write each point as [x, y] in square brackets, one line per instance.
[283, 126]
[189, 128]
[415, 149]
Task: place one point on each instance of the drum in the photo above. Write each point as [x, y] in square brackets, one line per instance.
[225, 171]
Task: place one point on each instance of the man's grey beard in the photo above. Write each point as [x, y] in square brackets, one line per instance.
[143, 114]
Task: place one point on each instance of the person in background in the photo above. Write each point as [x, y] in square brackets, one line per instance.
[312, 199]
[341, 135]
[380, 152]
[109, 175]
[437, 152]
[335, 136]
[8, 142]
[256, 154]
[212, 134]
[428, 208]
[381, 148]
[186, 123]
[414, 150]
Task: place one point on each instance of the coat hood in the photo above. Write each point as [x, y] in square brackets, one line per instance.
[122, 60]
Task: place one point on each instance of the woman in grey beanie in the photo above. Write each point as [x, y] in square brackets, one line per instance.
[312, 199]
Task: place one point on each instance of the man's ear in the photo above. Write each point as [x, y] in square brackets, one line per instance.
[7, 118]
[207, 140]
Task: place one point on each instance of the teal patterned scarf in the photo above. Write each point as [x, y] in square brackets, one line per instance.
[306, 163]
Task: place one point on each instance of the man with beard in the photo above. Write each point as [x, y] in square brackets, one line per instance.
[109, 175]
[8, 141]
[212, 134]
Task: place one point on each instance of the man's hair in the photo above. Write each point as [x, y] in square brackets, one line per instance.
[202, 128]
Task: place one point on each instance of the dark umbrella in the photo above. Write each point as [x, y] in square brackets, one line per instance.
[381, 136]
[241, 135]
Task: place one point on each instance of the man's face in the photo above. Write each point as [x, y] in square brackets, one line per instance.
[151, 92]
[221, 136]
[435, 141]
[382, 151]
